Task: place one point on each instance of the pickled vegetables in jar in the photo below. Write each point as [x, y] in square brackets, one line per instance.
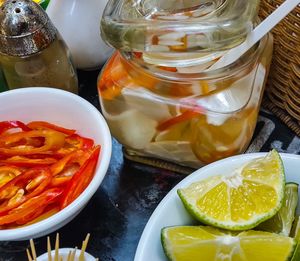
[158, 95]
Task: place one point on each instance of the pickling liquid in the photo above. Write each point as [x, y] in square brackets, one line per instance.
[188, 123]
[51, 67]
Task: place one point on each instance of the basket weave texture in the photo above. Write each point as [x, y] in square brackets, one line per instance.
[282, 95]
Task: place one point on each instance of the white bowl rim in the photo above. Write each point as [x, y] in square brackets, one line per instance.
[186, 181]
[106, 148]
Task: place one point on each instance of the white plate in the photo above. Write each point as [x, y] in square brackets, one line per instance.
[170, 211]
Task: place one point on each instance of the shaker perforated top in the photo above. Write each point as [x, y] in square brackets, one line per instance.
[25, 28]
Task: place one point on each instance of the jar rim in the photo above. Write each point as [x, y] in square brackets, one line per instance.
[224, 72]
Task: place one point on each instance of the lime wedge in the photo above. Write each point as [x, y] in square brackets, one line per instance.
[296, 255]
[295, 233]
[282, 222]
[189, 243]
[239, 201]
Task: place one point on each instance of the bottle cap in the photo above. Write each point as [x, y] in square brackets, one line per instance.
[25, 28]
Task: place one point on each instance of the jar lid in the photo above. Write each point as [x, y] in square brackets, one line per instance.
[177, 25]
[25, 28]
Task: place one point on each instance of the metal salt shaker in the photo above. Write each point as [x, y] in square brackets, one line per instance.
[32, 53]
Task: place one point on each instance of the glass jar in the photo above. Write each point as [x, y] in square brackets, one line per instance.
[189, 118]
[177, 25]
[157, 93]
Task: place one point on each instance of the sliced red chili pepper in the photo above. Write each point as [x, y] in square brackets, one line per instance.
[60, 181]
[23, 187]
[73, 143]
[50, 154]
[22, 161]
[40, 125]
[80, 179]
[7, 125]
[25, 212]
[30, 216]
[39, 215]
[80, 142]
[45, 213]
[64, 169]
[169, 69]
[114, 72]
[187, 115]
[138, 55]
[7, 173]
[53, 140]
[76, 157]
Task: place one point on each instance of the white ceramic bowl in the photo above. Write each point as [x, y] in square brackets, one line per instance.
[170, 211]
[70, 111]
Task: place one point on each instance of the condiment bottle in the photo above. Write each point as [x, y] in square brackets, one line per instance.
[32, 53]
[155, 92]
[83, 17]
[3, 85]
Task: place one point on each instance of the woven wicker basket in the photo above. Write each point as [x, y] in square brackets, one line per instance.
[282, 95]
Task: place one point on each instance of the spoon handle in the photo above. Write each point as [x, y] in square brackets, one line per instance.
[258, 33]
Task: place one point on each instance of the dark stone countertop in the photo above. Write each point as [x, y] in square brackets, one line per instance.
[119, 210]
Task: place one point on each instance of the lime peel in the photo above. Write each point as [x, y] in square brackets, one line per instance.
[282, 221]
[184, 243]
[204, 206]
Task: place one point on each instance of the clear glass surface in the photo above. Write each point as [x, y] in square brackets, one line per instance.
[184, 114]
[177, 25]
[51, 67]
